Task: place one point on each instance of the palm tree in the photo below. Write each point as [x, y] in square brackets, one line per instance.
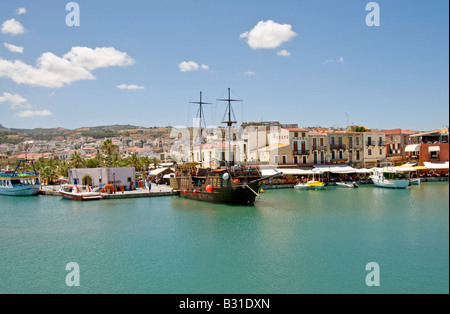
[76, 160]
[49, 175]
[63, 169]
[108, 148]
[134, 161]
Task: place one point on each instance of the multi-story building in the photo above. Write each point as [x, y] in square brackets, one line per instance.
[355, 142]
[319, 148]
[429, 147]
[374, 148]
[338, 143]
[396, 142]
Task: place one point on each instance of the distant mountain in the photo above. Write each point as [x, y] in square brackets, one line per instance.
[2, 127]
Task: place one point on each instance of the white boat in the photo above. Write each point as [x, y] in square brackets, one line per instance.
[79, 193]
[19, 183]
[302, 186]
[415, 181]
[350, 185]
[390, 177]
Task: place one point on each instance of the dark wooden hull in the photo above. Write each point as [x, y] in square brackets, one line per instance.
[233, 196]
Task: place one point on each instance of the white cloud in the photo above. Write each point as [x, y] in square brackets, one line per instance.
[337, 60]
[12, 27]
[91, 59]
[283, 53]
[13, 48]
[130, 87]
[21, 11]
[52, 71]
[187, 66]
[16, 101]
[268, 35]
[249, 73]
[34, 113]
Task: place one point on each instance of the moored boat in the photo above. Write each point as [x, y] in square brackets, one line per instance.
[349, 185]
[79, 193]
[20, 182]
[390, 177]
[218, 186]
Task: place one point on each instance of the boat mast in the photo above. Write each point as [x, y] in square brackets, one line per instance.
[229, 123]
[200, 103]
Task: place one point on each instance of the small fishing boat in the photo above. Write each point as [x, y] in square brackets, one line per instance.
[315, 183]
[79, 193]
[415, 181]
[392, 178]
[349, 185]
[20, 182]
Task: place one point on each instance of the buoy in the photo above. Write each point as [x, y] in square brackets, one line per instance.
[209, 188]
[195, 192]
[262, 191]
[185, 192]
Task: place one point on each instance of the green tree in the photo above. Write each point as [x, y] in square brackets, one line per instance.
[76, 161]
[49, 175]
[108, 148]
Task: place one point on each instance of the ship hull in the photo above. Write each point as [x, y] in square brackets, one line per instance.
[28, 190]
[233, 196]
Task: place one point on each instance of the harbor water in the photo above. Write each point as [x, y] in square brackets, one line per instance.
[290, 242]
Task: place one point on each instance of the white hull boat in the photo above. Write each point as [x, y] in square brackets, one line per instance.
[347, 185]
[391, 178]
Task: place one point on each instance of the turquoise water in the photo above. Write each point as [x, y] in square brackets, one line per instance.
[291, 242]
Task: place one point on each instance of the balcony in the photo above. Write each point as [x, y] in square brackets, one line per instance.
[338, 146]
[370, 143]
[301, 152]
[382, 143]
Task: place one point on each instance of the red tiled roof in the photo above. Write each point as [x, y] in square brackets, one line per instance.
[398, 131]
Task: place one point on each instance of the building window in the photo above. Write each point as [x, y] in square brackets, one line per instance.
[333, 155]
[381, 152]
[304, 160]
[357, 140]
[321, 142]
[369, 152]
[357, 155]
[369, 141]
[296, 134]
[341, 154]
[303, 134]
[284, 159]
[333, 141]
[340, 141]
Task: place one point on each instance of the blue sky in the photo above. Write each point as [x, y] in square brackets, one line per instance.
[318, 61]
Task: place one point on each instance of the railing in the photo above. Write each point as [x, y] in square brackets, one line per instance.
[338, 146]
[301, 152]
[370, 143]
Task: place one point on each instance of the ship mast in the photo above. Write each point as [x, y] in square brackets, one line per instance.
[200, 115]
[229, 123]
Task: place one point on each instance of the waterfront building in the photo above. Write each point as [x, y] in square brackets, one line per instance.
[318, 154]
[374, 148]
[429, 147]
[355, 149]
[338, 143]
[396, 142]
[300, 146]
[96, 177]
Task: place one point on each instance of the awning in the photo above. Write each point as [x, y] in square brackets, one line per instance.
[335, 169]
[434, 149]
[158, 171]
[412, 148]
[268, 172]
[295, 172]
[436, 165]
[364, 170]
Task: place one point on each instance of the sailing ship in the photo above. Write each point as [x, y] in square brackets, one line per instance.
[20, 182]
[231, 184]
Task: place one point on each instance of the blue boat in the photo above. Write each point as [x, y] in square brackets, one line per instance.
[20, 183]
